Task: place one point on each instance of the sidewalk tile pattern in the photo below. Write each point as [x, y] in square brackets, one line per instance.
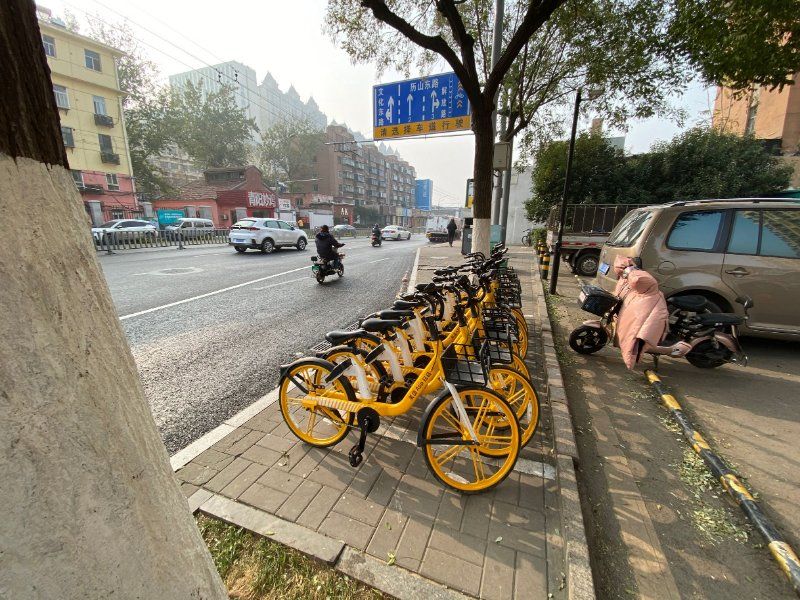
[491, 545]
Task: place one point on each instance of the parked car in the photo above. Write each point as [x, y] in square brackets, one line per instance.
[395, 232]
[344, 230]
[190, 227]
[124, 229]
[265, 235]
[722, 250]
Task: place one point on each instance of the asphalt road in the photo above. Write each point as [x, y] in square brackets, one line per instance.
[209, 327]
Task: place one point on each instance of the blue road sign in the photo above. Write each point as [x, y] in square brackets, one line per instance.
[435, 104]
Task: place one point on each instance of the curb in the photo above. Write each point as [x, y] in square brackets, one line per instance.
[781, 551]
[389, 579]
[580, 585]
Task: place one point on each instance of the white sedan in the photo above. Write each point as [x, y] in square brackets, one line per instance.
[124, 229]
[395, 232]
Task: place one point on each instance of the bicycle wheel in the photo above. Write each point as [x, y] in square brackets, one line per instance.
[520, 394]
[471, 468]
[320, 426]
[376, 374]
[520, 367]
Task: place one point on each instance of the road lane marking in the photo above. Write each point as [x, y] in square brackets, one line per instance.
[266, 287]
[372, 262]
[208, 294]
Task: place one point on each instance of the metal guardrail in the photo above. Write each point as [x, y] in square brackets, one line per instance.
[124, 240]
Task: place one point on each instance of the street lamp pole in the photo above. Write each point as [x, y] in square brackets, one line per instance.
[567, 174]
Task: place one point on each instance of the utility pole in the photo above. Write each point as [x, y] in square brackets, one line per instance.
[497, 47]
[506, 187]
[567, 175]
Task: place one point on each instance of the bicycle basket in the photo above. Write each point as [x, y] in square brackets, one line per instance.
[464, 365]
[499, 351]
[596, 300]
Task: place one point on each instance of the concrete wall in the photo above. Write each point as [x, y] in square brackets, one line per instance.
[520, 192]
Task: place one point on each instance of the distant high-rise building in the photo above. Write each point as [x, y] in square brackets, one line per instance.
[423, 194]
[232, 74]
[277, 106]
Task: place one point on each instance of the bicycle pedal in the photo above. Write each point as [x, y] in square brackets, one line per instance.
[355, 456]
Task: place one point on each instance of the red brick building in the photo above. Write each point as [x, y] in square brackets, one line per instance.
[224, 195]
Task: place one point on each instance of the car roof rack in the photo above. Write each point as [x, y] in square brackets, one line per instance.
[712, 200]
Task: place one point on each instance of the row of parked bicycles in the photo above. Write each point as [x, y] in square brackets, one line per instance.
[461, 337]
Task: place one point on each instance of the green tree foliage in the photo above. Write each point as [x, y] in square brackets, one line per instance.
[739, 43]
[210, 126]
[699, 163]
[286, 152]
[145, 104]
[598, 171]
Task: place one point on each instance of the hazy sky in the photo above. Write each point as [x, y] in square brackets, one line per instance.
[286, 39]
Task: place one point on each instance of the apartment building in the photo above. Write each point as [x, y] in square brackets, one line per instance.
[89, 100]
[276, 106]
[376, 181]
[771, 116]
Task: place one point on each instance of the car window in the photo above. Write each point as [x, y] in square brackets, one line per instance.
[696, 230]
[780, 233]
[744, 235]
[271, 224]
[245, 223]
[284, 225]
[109, 224]
[130, 224]
[627, 231]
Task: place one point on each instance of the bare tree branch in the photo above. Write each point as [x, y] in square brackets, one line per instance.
[464, 40]
[538, 12]
[434, 43]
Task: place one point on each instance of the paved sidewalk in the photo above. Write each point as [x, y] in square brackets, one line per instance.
[505, 544]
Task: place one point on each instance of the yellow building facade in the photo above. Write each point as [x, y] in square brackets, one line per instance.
[89, 100]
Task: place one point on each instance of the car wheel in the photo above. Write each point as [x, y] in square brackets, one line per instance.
[301, 244]
[267, 246]
[586, 265]
[240, 249]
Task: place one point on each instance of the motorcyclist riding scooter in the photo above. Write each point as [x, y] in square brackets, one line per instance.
[328, 261]
[376, 235]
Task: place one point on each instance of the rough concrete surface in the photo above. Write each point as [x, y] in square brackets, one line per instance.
[91, 508]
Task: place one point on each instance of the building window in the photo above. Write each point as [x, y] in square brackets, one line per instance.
[112, 181]
[315, 187]
[92, 60]
[62, 99]
[77, 177]
[752, 111]
[116, 214]
[105, 143]
[49, 44]
[66, 135]
[99, 105]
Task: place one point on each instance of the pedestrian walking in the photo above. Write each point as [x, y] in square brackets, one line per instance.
[451, 231]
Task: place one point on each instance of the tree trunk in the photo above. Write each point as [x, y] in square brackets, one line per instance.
[91, 506]
[483, 179]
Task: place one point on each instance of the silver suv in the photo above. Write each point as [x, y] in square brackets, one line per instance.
[265, 235]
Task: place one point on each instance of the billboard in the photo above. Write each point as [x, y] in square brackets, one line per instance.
[470, 193]
[423, 194]
[168, 217]
[422, 106]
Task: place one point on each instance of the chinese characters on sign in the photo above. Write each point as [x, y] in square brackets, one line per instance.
[260, 200]
[424, 106]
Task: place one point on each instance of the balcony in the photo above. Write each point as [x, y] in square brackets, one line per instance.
[110, 158]
[91, 189]
[103, 120]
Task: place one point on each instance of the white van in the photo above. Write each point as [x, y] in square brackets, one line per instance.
[191, 227]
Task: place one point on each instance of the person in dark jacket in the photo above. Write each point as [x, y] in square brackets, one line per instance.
[376, 231]
[327, 245]
[451, 231]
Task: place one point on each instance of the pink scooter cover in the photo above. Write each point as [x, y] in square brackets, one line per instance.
[642, 320]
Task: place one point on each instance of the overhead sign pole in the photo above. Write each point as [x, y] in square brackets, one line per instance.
[422, 106]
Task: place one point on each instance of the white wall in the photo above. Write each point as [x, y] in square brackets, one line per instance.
[520, 192]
